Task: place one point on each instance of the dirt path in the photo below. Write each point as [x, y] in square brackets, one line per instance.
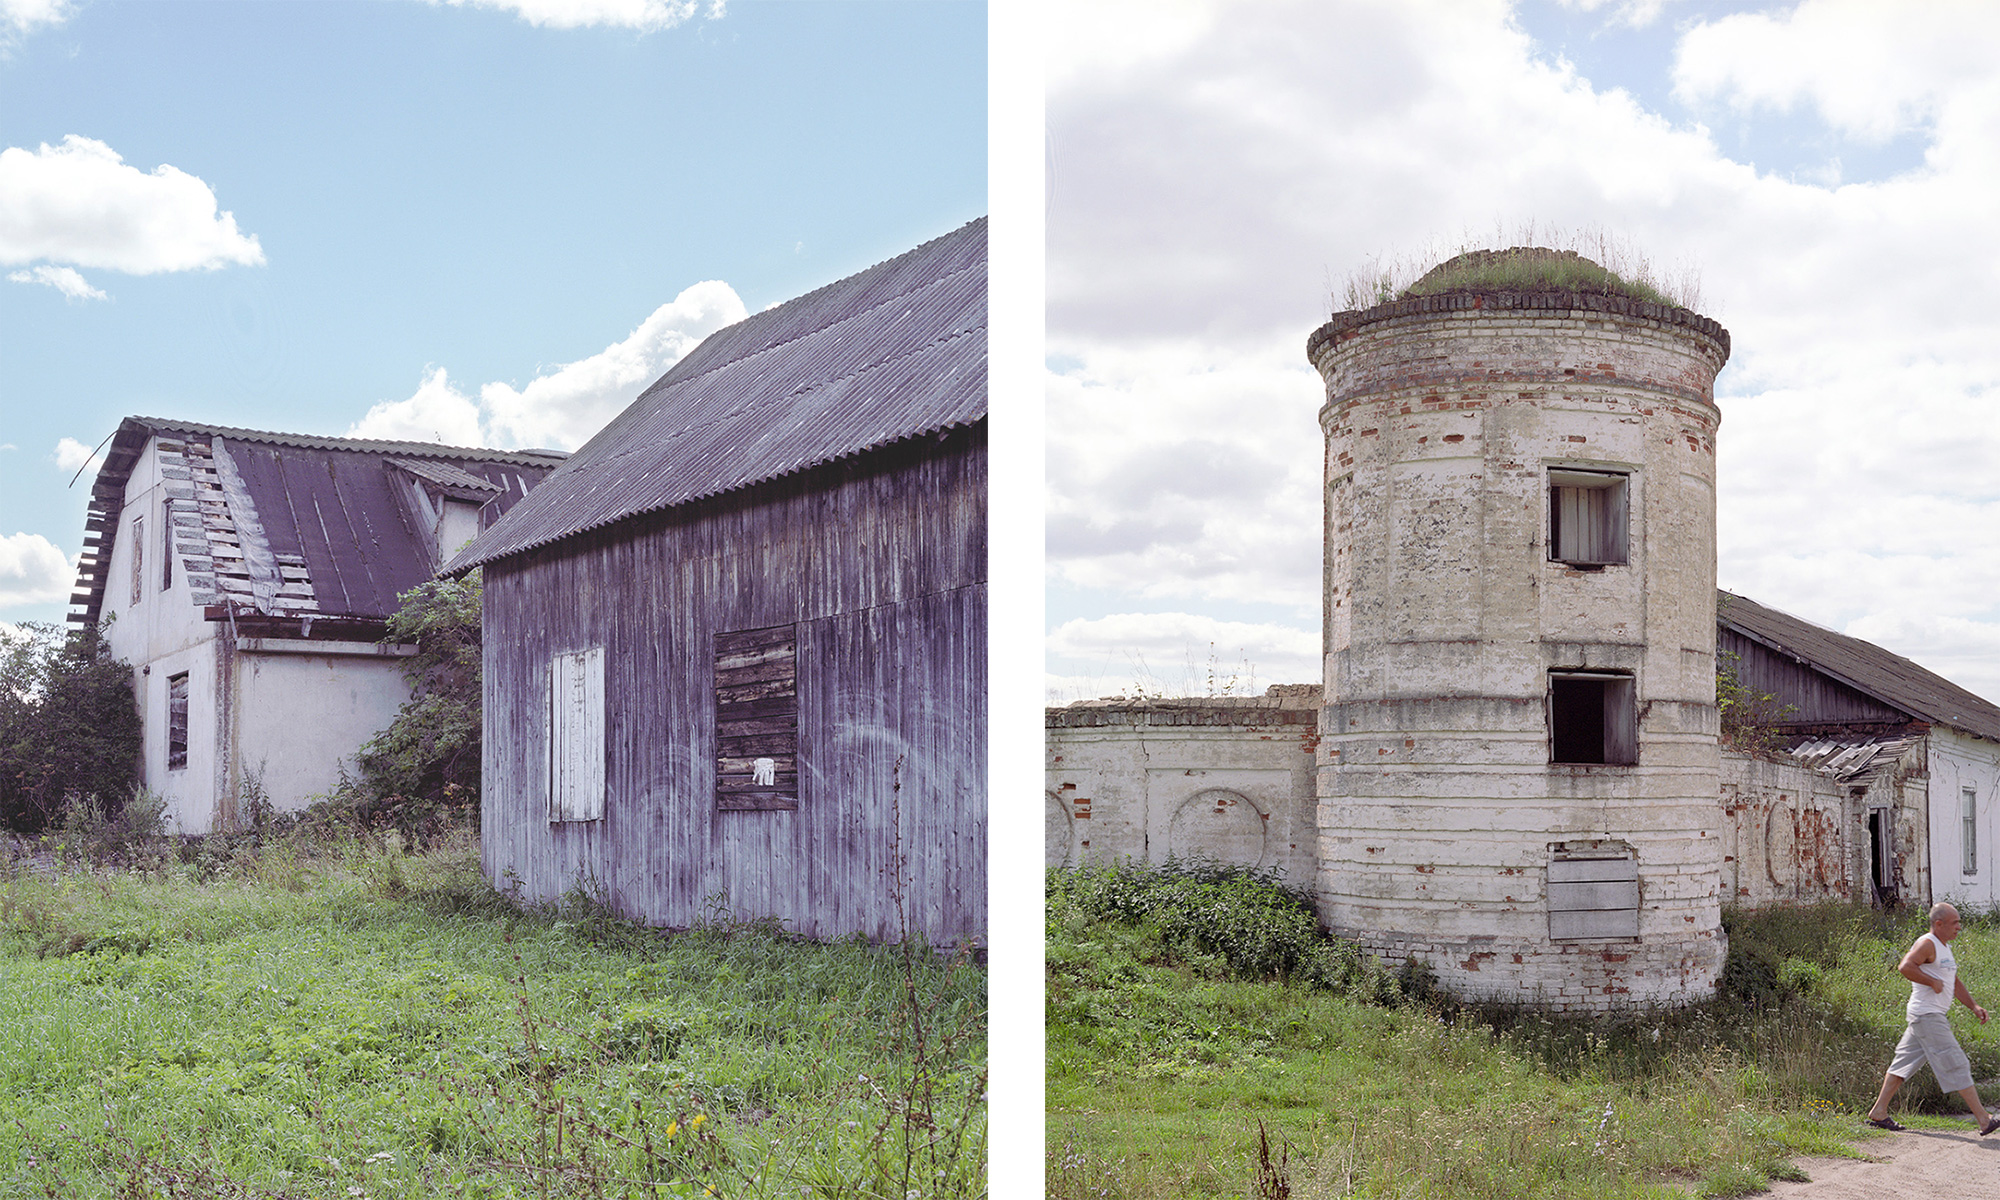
[1923, 1164]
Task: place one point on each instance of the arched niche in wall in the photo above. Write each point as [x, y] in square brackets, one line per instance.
[1781, 843]
[1058, 832]
[1219, 824]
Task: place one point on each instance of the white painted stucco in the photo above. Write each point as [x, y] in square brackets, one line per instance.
[268, 713]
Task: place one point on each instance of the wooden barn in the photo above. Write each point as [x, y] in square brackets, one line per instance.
[736, 645]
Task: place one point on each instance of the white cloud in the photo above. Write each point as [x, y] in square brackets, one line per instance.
[63, 279]
[33, 571]
[1633, 14]
[1211, 187]
[1176, 654]
[80, 203]
[647, 16]
[562, 409]
[1871, 70]
[436, 412]
[18, 18]
[71, 455]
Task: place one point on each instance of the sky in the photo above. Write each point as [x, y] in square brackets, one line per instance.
[487, 223]
[1824, 174]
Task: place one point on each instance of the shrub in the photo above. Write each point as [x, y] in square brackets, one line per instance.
[1248, 921]
[421, 774]
[68, 724]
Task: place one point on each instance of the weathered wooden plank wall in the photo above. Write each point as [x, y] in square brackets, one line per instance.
[1820, 701]
[880, 562]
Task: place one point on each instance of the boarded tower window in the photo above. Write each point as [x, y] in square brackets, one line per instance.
[576, 736]
[1592, 718]
[757, 719]
[177, 721]
[1588, 518]
[1593, 893]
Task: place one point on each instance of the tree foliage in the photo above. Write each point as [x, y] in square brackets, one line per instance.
[425, 765]
[69, 726]
[1752, 721]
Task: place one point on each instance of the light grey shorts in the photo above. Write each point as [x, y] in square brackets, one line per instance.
[1928, 1040]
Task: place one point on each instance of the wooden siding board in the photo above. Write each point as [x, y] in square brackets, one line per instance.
[880, 564]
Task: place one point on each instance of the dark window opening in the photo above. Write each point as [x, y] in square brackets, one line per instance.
[1883, 873]
[1592, 719]
[177, 722]
[757, 719]
[1589, 518]
[167, 549]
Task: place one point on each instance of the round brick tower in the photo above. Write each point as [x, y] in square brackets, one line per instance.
[1518, 778]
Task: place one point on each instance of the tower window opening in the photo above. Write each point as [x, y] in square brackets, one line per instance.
[1589, 518]
[1592, 718]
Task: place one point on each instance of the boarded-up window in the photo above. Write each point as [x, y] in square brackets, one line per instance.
[167, 548]
[1592, 718]
[177, 721]
[138, 558]
[757, 719]
[576, 736]
[1588, 518]
[1593, 894]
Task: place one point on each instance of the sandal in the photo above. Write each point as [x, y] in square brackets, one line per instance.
[1992, 1124]
[1889, 1123]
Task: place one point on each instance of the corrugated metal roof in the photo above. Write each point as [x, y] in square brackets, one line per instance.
[893, 352]
[1862, 665]
[292, 524]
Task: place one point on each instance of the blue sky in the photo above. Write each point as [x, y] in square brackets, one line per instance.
[471, 223]
[1823, 172]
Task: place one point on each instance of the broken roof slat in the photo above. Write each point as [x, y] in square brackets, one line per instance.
[385, 549]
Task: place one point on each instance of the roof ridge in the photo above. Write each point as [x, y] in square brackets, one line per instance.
[927, 284]
[319, 441]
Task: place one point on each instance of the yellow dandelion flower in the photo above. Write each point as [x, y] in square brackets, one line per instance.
[698, 1119]
[673, 1127]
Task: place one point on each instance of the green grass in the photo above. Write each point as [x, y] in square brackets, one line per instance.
[1167, 1058]
[357, 1023]
[1511, 270]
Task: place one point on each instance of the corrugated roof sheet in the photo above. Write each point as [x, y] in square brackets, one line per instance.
[1863, 665]
[293, 523]
[1858, 759]
[893, 352]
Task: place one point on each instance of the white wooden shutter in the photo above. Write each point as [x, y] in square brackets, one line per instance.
[576, 736]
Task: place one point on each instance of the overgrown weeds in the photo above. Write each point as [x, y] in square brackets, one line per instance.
[1176, 1070]
[289, 1016]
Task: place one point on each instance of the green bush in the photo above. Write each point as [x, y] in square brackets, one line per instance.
[1247, 922]
[68, 723]
[421, 774]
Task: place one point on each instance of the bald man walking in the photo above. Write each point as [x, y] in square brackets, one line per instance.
[1934, 983]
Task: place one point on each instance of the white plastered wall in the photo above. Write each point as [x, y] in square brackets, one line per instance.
[300, 715]
[1958, 761]
[163, 634]
[1128, 789]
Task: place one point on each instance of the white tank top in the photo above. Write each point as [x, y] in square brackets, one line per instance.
[1944, 969]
